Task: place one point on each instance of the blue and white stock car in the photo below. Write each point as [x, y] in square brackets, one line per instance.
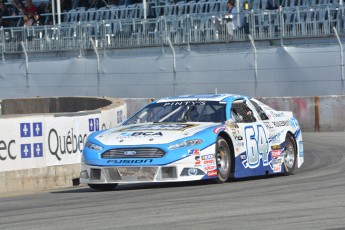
[194, 137]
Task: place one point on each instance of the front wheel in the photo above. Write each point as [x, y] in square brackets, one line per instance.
[223, 160]
[103, 187]
[290, 154]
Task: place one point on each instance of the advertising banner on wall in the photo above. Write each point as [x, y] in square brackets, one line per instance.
[65, 138]
[22, 143]
[35, 142]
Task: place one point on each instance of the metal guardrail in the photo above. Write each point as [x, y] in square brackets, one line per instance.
[179, 29]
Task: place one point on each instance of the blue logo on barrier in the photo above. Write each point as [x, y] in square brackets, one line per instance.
[25, 130]
[38, 149]
[25, 150]
[97, 124]
[91, 125]
[37, 129]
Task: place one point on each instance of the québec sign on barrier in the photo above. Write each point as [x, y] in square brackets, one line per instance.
[45, 140]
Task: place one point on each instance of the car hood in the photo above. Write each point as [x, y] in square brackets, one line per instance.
[151, 133]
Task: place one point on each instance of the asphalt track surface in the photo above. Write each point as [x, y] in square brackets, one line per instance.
[312, 198]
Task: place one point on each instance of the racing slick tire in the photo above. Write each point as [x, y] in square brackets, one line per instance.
[223, 161]
[103, 187]
[290, 154]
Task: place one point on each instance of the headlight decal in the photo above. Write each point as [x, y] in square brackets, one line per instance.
[185, 143]
[93, 146]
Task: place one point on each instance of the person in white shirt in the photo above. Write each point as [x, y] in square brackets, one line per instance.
[231, 10]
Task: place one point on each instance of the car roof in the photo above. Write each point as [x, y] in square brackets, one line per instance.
[202, 97]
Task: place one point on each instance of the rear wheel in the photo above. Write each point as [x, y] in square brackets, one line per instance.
[290, 154]
[223, 160]
[103, 187]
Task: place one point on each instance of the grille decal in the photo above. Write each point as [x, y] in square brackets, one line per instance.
[139, 153]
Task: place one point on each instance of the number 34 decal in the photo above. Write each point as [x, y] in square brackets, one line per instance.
[257, 146]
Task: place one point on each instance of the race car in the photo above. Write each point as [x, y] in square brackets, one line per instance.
[194, 137]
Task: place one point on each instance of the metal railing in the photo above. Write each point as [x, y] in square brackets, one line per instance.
[179, 29]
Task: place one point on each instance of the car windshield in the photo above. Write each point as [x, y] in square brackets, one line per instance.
[180, 111]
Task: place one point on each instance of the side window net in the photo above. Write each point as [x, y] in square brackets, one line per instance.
[261, 112]
[242, 113]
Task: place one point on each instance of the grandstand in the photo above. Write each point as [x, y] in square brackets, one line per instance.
[178, 48]
[119, 26]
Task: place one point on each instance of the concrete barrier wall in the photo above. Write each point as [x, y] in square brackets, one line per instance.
[39, 179]
[315, 114]
[41, 151]
[52, 105]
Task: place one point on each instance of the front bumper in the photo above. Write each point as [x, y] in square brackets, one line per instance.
[132, 174]
[198, 165]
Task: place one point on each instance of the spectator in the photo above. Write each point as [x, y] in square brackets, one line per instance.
[47, 19]
[30, 8]
[28, 20]
[66, 5]
[232, 24]
[33, 20]
[36, 19]
[3, 12]
[17, 9]
[44, 8]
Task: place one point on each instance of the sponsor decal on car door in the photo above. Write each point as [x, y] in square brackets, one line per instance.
[256, 144]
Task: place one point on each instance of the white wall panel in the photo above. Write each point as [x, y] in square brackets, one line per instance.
[149, 72]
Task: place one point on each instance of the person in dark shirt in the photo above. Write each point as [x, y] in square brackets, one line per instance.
[3, 12]
[16, 9]
[66, 5]
[36, 19]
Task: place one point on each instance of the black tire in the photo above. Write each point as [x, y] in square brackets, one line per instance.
[103, 187]
[223, 161]
[290, 154]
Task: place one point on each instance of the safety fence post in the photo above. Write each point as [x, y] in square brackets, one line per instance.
[255, 63]
[174, 65]
[97, 55]
[341, 59]
[27, 68]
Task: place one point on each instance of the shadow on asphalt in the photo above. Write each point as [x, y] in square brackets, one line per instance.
[139, 186]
